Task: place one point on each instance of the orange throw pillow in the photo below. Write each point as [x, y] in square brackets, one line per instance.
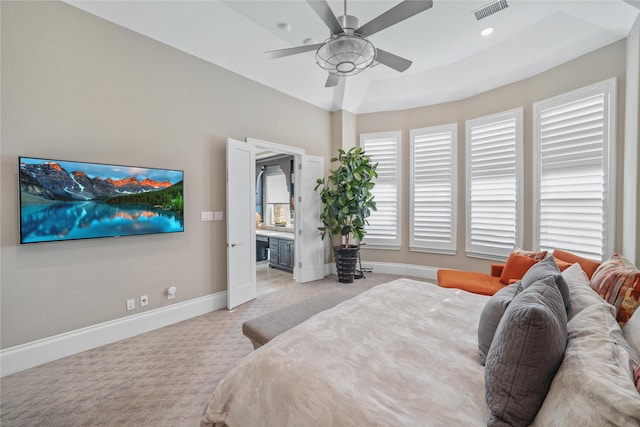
[617, 280]
[515, 267]
[562, 265]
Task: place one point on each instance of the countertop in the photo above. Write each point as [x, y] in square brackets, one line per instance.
[276, 234]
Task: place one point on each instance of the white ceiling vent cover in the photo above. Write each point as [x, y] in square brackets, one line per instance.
[490, 9]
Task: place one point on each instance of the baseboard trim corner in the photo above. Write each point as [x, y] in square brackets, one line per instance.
[29, 355]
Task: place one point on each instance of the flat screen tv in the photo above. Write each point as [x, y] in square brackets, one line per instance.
[65, 200]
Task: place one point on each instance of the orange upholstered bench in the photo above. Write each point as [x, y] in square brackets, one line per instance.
[471, 281]
[489, 284]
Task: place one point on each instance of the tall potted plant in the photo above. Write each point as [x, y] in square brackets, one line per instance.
[347, 203]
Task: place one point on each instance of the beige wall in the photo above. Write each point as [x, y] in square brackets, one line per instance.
[635, 54]
[76, 87]
[591, 68]
[631, 202]
[343, 134]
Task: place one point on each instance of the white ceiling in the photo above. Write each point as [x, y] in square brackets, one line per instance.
[451, 60]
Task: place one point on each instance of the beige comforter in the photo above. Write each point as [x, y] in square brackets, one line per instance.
[402, 353]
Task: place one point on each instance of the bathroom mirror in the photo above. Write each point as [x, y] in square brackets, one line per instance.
[276, 185]
[277, 197]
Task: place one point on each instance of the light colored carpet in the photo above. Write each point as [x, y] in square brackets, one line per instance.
[160, 378]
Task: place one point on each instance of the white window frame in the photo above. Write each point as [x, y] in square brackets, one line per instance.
[608, 89]
[487, 251]
[395, 242]
[426, 244]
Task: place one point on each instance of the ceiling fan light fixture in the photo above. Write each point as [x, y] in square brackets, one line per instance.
[345, 54]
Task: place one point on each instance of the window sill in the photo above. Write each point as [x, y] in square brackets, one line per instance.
[433, 250]
[383, 247]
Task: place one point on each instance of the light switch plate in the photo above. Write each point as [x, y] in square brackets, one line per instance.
[206, 216]
[219, 216]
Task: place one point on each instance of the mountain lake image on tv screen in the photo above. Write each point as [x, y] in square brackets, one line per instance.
[65, 200]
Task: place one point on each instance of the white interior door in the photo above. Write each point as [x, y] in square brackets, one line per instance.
[309, 246]
[241, 224]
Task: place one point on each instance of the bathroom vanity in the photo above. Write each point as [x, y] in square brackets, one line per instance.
[281, 248]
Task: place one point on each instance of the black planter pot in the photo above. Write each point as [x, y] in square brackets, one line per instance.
[346, 259]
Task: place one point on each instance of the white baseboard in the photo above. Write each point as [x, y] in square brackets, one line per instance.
[424, 272]
[25, 356]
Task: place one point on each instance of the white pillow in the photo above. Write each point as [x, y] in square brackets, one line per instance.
[581, 295]
[594, 385]
[631, 331]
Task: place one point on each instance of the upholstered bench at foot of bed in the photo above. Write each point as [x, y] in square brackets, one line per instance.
[263, 329]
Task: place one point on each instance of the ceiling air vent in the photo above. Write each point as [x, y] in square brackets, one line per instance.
[490, 9]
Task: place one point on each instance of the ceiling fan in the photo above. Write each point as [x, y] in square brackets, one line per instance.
[348, 51]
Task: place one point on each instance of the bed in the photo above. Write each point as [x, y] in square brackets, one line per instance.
[403, 353]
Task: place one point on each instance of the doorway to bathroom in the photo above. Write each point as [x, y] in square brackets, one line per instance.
[275, 220]
[299, 254]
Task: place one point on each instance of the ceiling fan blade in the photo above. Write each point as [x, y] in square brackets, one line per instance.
[332, 80]
[273, 54]
[393, 61]
[396, 14]
[322, 9]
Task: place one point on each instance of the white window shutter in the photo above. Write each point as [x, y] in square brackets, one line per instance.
[433, 189]
[574, 173]
[494, 180]
[384, 224]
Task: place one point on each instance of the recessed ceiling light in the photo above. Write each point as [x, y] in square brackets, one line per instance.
[284, 27]
[486, 31]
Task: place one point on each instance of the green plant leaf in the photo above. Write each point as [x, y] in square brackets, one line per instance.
[346, 194]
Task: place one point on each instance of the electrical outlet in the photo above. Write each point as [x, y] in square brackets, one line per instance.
[131, 304]
[144, 300]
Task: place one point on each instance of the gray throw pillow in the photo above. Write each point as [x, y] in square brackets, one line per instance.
[547, 268]
[526, 352]
[490, 318]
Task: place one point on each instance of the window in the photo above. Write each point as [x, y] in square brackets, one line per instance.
[494, 184]
[433, 189]
[384, 224]
[574, 174]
